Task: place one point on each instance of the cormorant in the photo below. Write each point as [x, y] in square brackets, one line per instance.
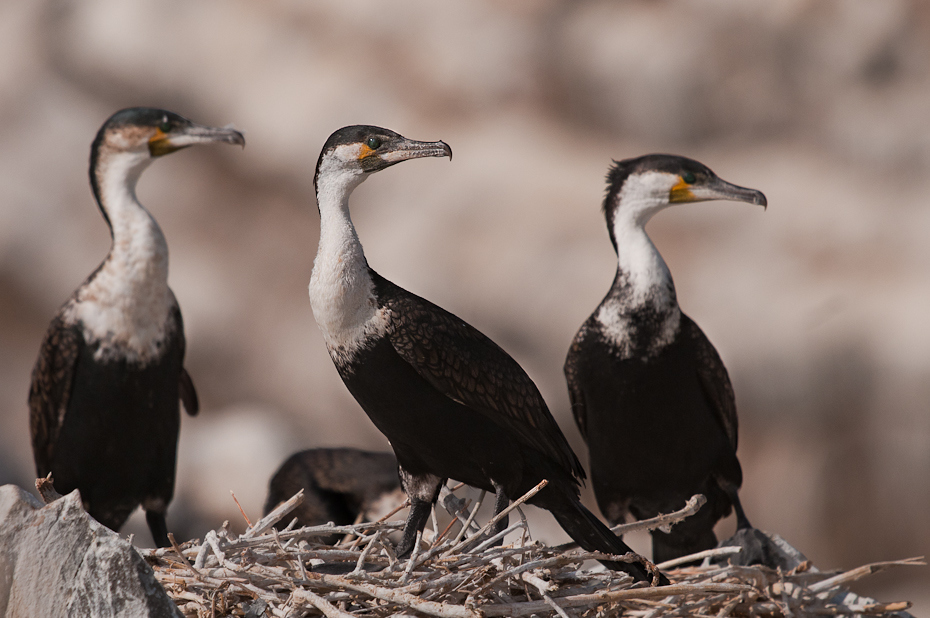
[648, 390]
[338, 483]
[103, 405]
[450, 401]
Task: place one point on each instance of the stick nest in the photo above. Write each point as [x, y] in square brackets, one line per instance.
[289, 573]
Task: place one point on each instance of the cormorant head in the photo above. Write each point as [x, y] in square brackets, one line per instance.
[638, 188]
[132, 138]
[156, 132]
[352, 153]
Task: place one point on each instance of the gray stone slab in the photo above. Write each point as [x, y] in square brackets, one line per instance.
[56, 560]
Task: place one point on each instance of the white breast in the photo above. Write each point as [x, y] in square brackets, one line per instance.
[344, 307]
[126, 308]
[618, 327]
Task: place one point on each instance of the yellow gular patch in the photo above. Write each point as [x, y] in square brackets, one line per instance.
[681, 192]
[159, 144]
[365, 151]
[159, 135]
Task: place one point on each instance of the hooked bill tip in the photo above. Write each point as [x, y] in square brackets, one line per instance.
[238, 137]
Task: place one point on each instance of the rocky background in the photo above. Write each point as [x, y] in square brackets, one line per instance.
[819, 306]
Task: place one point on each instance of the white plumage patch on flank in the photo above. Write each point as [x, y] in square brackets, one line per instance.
[616, 326]
[126, 305]
[341, 290]
[645, 282]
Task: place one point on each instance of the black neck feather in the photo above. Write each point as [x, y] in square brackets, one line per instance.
[94, 181]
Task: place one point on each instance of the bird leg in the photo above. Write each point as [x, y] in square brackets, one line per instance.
[416, 521]
[422, 490]
[742, 522]
[501, 502]
[158, 527]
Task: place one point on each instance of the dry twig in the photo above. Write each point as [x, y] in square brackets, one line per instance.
[46, 488]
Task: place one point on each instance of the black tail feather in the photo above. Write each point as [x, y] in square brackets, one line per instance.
[593, 535]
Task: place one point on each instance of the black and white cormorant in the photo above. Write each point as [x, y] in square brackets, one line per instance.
[339, 484]
[103, 404]
[648, 390]
[450, 401]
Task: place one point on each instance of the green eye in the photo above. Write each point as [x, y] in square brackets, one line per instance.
[374, 143]
[688, 177]
[165, 126]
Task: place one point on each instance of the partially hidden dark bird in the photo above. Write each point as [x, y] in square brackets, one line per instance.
[450, 401]
[339, 484]
[648, 391]
[104, 400]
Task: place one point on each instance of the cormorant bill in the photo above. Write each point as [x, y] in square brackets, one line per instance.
[339, 484]
[648, 390]
[450, 401]
[103, 405]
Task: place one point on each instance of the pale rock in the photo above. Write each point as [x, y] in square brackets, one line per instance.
[56, 560]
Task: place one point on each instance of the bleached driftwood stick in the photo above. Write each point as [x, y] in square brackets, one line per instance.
[177, 550]
[661, 521]
[599, 598]
[665, 521]
[329, 610]
[860, 572]
[707, 553]
[361, 559]
[442, 610]
[544, 588]
[276, 515]
[413, 559]
[500, 535]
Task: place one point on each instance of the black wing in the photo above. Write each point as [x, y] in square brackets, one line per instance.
[466, 366]
[50, 391]
[575, 392]
[715, 381]
[186, 390]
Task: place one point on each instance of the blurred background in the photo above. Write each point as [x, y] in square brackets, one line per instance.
[818, 306]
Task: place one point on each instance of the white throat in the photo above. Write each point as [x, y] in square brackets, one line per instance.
[645, 281]
[341, 289]
[127, 303]
[646, 272]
